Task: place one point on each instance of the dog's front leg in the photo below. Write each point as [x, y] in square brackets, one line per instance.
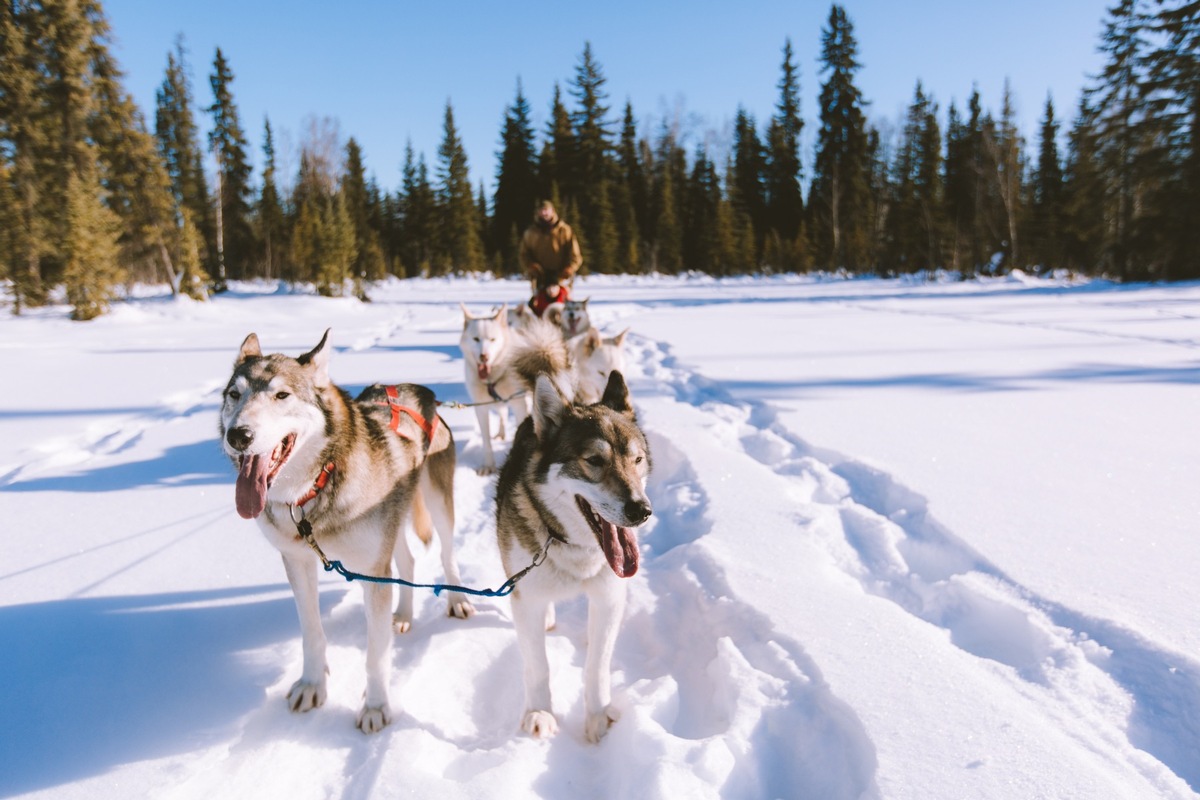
[529, 618]
[606, 606]
[376, 713]
[308, 692]
[485, 433]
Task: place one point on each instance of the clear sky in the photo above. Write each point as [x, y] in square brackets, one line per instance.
[385, 70]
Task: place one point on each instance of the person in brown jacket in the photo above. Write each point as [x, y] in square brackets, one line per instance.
[550, 256]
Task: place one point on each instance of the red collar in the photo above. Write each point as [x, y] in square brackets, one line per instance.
[318, 484]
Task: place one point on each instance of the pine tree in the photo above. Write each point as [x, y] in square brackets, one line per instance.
[227, 140]
[1172, 134]
[747, 190]
[178, 141]
[89, 247]
[516, 182]
[272, 225]
[1116, 99]
[1048, 199]
[418, 216]
[594, 169]
[24, 135]
[368, 262]
[701, 246]
[914, 222]
[461, 247]
[670, 180]
[785, 205]
[1084, 204]
[556, 163]
[838, 200]
[1004, 147]
[630, 199]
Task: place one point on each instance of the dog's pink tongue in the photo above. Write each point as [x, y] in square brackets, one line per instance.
[484, 370]
[251, 492]
[620, 548]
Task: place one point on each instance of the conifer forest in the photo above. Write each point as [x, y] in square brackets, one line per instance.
[96, 194]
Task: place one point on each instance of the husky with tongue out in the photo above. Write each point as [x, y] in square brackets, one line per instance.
[356, 471]
[573, 487]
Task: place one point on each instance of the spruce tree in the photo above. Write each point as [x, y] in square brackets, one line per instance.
[418, 216]
[747, 190]
[368, 262]
[1048, 200]
[461, 248]
[838, 200]
[631, 196]
[1005, 148]
[785, 204]
[516, 182]
[227, 140]
[914, 222]
[272, 225]
[594, 169]
[24, 135]
[556, 163]
[178, 141]
[1084, 203]
[91, 270]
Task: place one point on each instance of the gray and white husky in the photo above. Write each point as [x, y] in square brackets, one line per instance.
[355, 470]
[571, 316]
[573, 487]
[501, 362]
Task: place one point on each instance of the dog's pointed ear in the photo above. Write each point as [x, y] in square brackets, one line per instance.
[616, 394]
[502, 315]
[466, 314]
[549, 408]
[250, 349]
[553, 313]
[619, 339]
[592, 341]
[318, 360]
[585, 301]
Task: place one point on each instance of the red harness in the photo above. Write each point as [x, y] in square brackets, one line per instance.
[428, 426]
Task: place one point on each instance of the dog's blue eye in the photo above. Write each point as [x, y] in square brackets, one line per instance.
[282, 395]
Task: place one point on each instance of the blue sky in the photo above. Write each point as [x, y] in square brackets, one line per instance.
[385, 70]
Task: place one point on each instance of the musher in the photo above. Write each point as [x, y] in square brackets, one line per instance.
[550, 256]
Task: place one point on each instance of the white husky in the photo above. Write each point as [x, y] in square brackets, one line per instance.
[593, 358]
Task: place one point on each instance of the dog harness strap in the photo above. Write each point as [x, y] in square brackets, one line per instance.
[318, 484]
[491, 387]
[428, 426]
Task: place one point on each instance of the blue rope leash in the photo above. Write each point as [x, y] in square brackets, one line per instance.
[505, 589]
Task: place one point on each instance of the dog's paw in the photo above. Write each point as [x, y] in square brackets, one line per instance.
[373, 719]
[460, 607]
[599, 723]
[306, 695]
[401, 623]
[539, 724]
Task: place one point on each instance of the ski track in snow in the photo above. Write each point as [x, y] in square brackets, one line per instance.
[738, 710]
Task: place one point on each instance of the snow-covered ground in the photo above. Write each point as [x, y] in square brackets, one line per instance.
[912, 540]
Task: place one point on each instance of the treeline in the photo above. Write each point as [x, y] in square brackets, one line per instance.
[91, 197]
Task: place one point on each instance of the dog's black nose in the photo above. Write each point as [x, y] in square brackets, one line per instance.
[239, 438]
[638, 511]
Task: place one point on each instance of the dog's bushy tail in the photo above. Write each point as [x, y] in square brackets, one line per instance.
[540, 350]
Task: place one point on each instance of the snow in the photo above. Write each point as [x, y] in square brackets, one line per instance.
[912, 539]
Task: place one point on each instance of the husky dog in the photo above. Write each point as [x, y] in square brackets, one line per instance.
[519, 316]
[571, 316]
[573, 488]
[500, 365]
[593, 359]
[355, 471]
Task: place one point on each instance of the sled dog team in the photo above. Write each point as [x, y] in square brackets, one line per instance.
[352, 472]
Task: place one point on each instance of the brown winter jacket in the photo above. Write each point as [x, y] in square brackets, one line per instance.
[554, 248]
